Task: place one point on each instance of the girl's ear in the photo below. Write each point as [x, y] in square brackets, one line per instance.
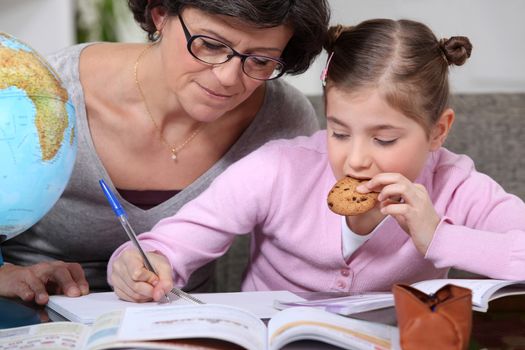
[159, 16]
[440, 130]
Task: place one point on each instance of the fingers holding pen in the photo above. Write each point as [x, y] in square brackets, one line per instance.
[165, 276]
[130, 278]
[132, 281]
[129, 291]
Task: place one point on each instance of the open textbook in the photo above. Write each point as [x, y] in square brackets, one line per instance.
[483, 291]
[206, 326]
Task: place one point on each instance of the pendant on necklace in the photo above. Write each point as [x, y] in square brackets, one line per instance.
[173, 155]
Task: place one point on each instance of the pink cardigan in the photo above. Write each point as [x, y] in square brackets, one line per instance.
[279, 193]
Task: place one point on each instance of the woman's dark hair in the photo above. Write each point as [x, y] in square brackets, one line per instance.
[308, 18]
[403, 59]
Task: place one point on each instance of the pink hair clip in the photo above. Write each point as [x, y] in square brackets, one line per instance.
[324, 73]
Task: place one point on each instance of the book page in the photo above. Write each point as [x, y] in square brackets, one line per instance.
[45, 336]
[309, 323]
[194, 321]
[482, 289]
[87, 308]
[104, 330]
[344, 305]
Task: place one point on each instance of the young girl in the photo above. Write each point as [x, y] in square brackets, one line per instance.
[387, 118]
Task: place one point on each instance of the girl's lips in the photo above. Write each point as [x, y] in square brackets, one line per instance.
[360, 178]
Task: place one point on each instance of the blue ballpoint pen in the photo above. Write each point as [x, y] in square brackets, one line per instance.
[120, 213]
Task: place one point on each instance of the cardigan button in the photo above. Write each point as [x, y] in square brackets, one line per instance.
[345, 272]
[341, 284]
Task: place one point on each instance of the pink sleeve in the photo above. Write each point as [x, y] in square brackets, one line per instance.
[205, 227]
[483, 231]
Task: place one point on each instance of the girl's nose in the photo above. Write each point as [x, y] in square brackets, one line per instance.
[229, 73]
[358, 157]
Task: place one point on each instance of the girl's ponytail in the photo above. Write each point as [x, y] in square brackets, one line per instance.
[456, 50]
[333, 34]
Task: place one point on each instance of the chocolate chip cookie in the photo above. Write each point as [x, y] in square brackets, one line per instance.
[343, 199]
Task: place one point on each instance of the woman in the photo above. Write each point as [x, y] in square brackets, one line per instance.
[160, 121]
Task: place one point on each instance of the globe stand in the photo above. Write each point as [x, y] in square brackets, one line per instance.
[13, 313]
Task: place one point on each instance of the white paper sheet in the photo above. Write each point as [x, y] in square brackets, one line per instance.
[86, 309]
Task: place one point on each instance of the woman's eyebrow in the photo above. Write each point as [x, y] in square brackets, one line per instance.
[215, 35]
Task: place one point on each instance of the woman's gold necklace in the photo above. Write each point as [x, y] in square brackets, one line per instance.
[174, 149]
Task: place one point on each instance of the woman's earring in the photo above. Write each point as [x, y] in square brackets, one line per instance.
[156, 36]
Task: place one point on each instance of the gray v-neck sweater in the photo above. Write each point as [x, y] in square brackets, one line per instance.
[82, 228]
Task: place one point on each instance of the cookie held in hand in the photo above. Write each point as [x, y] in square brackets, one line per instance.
[343, 199]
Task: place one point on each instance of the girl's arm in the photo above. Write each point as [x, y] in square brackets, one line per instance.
[482, 231]
[204, 228]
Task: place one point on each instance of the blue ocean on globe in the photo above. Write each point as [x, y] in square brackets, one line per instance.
[37, 137]
[12, 43]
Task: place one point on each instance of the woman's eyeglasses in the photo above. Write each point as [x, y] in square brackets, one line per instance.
[212, 51]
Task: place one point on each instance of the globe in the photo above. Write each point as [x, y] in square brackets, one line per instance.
[37, 137]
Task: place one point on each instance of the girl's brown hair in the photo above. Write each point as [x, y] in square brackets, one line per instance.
[403, 59]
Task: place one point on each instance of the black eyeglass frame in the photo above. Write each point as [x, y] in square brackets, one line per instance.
[191, 38]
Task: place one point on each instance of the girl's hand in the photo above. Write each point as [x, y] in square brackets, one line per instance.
[132, 281]
[408, 203]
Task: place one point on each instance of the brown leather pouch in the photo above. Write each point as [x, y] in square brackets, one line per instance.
[442, 320]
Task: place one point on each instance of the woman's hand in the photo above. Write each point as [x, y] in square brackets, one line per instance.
[408, 203]
[37, 281]
[132, 281]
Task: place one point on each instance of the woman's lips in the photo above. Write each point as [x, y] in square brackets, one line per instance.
[215, 94]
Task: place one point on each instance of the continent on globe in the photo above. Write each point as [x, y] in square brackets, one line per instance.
[21, 67]
[37, 137]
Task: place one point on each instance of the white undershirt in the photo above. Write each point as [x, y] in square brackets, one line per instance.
[351, 240]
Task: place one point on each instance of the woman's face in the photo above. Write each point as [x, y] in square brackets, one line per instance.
[367, 137]
[206, 91]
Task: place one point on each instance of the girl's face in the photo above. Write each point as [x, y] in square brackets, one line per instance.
[367, 137]
[207, 91]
